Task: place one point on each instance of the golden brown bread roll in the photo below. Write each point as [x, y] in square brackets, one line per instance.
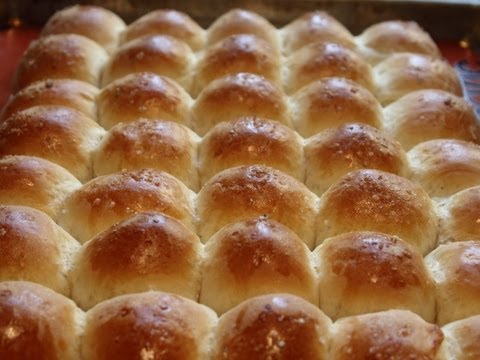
[402, 73]
[248, 141]
[381, 40]
[148, 251]
[240, 21]
[455, 267]
[158, 54]
[167, 22]
[254, 257]
[239, 95]
[363, 272]
[146, 143]
[245, 191]
[430, 114]
[339, 150]
[444, 166]
[462, 340]
[63, 56]
[143, 95]
[37, 323]
[150, 325]
[74, 94]
[375, 200]
[312, 27]
[237, 54]
[35, 182]
[62, 135]
[331, 102]
[34, 248]
[108, 199]
[96, 23]
[324, 59]
[394, 334]
[277, 326]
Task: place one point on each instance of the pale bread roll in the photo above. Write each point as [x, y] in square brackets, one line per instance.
[462, 340]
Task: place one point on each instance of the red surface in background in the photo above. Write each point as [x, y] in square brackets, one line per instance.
[13, 43]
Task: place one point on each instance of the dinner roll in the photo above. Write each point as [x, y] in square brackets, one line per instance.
[312, 27]
[443, 167]
[363, 272]
[37, 323]
[143, 95]
[158, 54]
[462, 340]
[251, 140]
[236, 54]
[402, 73]
[394, 334]
[330, 102]
[254, 257]
[148, 251]
[238, 95]
[323, 59]
[277, 326]
[108, 199]
[167, 22]
[146, 143]
[62, 135]
[93, 22]
[375, 200]
[240, 21]
[339, 150]
[35, 182]
[34, 248]
[455, 268]
[74, 94]
[430, 114]
[63, 56]
[151, 325]
[245, 191]
[383, 39]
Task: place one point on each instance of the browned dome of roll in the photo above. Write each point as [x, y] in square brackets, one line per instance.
[148, 251]
[276, 326]
[400, 74]
[143, 95]
[388, 37]
[394, 334]
[312, 27]
[339, 150]
[74, 94]
[96, 23]
[67, 56]
[151, 325]
[240, 21]
[364, 272]
[248, 141]
[167, 22]
[324, 59]
[158, 54]
[375, 200]
[236, 54]
[239, 95]
[109, 199]
[331, 102]
[462, 340]
[34, 248]
[444, 166]
[145, 143]
[455, 268]
[62, 135]
[246, 191]
[37, 323]
[254, 257]
[35, 182]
